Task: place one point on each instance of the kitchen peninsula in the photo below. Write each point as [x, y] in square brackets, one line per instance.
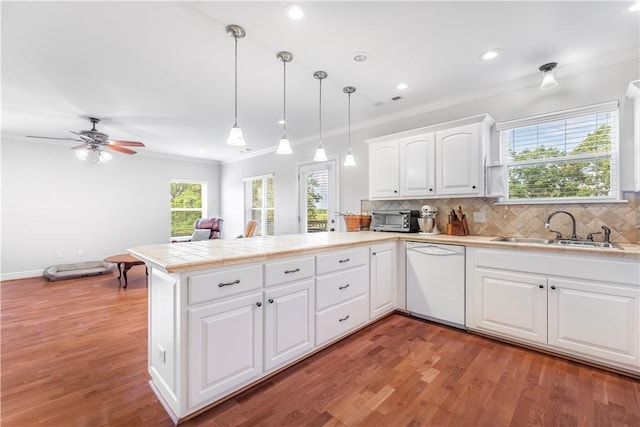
[224, 314]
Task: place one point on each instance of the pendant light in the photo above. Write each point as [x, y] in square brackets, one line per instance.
[548, 79]
[284, 147]
[235, 136]
[321, 155]
[349, 160]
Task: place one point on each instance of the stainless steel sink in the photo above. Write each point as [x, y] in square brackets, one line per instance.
[587, 244]
[523, 240]
[561, 242]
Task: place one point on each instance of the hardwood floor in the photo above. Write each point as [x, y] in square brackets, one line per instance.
[74, 354]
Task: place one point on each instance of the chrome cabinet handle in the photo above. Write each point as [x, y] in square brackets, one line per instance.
[344, 286]
[291, 271]
[343, 319]
[235, 282]
[344, 260]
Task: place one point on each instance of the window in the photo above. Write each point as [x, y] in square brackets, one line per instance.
[564, 156]
[258, 203]
[186, 206]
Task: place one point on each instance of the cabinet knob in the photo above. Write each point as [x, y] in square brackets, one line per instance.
[259, 304]
[541, 286]
[473, 186]
[270, 300]
[431, 189]
[395, 191]
[553, 287]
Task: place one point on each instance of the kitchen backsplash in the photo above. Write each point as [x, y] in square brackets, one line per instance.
[529, 220]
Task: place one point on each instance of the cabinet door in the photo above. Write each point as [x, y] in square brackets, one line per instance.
[225, 347]
[289, 323]
[417, 162]
[512, 304]
[383, 170]
[459, 162]
[595, 319]
[383, 289]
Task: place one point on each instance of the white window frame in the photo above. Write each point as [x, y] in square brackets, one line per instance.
[606, 107]
[263, 209]
[204, 199]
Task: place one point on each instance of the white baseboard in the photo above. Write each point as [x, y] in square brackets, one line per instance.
[21, 275]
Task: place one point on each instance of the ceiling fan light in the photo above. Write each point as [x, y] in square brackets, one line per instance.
[104, 157]
[349, 160]
[284, 147]
[321, 155]
[235, 137]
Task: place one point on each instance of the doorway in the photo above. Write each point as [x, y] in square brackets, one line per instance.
[317, 186]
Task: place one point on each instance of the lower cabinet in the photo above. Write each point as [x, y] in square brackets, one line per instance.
[289, 323]
[383, 289]
[589, 316]
[338, 320]
[225, 346]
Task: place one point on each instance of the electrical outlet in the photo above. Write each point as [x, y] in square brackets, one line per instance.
[58, 254]
[162, 354]
[80, 252]
[479, 217]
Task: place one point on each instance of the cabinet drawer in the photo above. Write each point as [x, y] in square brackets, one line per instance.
[338, 287]
[340, 319]
[336, 261]
[204, 287]
[289, 270]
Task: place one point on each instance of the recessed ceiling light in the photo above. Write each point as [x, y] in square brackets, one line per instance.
[245, 150]
[490, 54]
[281, 122]
[203, 151]
[360, 56]
[295, 11]
[402, 86]
[634, 7]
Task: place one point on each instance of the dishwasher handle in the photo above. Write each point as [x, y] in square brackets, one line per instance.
[433, 250]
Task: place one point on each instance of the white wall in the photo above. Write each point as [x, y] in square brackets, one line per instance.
[600, 85]
[51, 202]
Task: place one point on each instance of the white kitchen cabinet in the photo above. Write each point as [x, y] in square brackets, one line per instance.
[417, 166]
[224, 346]
[289, 323]
[633, 93]
[460, 161]
[384, 177]
[383, 289]
[513, 304]
[584, 306]
[441, 160]
[601, 320]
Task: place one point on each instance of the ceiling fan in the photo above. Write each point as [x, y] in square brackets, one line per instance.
[94, 141]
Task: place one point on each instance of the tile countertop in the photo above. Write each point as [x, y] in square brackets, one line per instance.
[180, 257]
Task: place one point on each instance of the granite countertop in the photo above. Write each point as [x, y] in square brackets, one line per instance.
[180, 257]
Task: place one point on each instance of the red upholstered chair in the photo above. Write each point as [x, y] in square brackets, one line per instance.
[214, 225]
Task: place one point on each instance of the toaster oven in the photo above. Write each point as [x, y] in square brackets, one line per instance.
[400, 221]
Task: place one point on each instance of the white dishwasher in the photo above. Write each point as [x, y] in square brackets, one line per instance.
[436, 282]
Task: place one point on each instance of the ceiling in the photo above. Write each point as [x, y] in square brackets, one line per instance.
[162, 72]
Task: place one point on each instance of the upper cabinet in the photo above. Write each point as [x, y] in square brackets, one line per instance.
[633, 93]
[445, 160]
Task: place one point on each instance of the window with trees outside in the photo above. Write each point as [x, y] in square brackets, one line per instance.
[564, 156]
[259, 203]
[187, 206]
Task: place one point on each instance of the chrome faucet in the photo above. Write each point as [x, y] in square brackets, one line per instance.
[559, 235]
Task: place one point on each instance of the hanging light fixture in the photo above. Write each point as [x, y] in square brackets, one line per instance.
[235, 136]
[548, 79]
[349, 160]
[284, 147]
[321, 155]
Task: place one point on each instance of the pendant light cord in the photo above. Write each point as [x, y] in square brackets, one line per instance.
[284, 96]
[235, 123]
[320, 112]
[349, 122]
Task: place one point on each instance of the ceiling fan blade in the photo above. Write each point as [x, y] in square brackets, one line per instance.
[78, 146]
[126, 143]
[120, 149]
[53, 137]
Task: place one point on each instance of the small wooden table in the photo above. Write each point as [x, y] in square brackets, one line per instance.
[124, 262]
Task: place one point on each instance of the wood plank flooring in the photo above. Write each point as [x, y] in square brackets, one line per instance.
[74, 354]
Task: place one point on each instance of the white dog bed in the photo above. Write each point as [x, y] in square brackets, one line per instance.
[80, 269]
